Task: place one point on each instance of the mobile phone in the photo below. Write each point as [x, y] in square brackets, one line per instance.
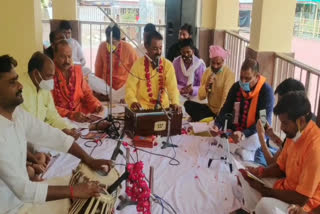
[263, 117]
[250, 175]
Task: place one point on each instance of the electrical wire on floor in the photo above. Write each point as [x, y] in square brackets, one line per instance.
[173, 161]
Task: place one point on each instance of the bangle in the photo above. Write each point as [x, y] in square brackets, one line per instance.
[260, 171]
[71, 193]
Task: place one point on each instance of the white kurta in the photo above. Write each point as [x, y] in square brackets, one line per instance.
[15, 186]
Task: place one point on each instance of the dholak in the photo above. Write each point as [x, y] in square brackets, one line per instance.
[101, 205]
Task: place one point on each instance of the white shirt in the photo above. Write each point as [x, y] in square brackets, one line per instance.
[77, 54]
[15, 186]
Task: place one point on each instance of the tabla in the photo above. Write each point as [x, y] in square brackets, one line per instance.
[101, 205]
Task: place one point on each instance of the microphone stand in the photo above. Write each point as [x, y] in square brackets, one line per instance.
[124, 200]
[109, 118]
[127, 36]
[166, 144]
[225, 136]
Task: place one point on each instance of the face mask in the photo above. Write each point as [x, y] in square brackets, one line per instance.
[46, 84]
[69, 40]
[111, 49]
[245, 86]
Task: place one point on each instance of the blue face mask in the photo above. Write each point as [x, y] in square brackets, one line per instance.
[245, 86]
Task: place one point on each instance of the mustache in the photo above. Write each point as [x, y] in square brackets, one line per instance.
[66, 64]
[19, 92]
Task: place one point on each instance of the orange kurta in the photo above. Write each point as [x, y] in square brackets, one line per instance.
[121, 65]
[69, 102]
[301, 162]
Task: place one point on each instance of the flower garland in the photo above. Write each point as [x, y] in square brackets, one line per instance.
[242, 124]
[70, 87]
[137, 188]
[116, 64]
[148, 78]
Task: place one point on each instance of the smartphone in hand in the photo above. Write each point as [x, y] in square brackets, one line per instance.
[263, 117]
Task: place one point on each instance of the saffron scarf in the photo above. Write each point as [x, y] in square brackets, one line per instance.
[254, 96]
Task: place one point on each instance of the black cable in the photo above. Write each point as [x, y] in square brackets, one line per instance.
[162, 200]
[128, 70]
[172, 159]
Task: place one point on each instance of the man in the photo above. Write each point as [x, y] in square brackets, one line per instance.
[54, 37]
[150, 84]
[18, 127]
[215, 85]
[298, 166]
[147, 29]
[77, 54]
[124, 57]
[38, 83]
[72, 95]
[267, 155]
[185, 32]
[189, 69]
[246, 99]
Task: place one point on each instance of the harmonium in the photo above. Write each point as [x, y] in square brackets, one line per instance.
[151, 122]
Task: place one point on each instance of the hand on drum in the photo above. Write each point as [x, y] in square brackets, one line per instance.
[100, 164]
[88, 190]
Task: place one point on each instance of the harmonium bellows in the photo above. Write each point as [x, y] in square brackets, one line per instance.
[151, 122]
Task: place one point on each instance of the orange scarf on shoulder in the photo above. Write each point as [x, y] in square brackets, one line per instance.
[254, 96]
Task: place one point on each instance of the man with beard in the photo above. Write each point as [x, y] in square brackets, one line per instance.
[152, 83]
[16, 128]
[189, 69]
[123, 58]
[215, 85]
[72, 95]
[298, 166]
[185, 32]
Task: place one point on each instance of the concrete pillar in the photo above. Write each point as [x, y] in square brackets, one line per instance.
[64, 9]
[21, 33]
[216, 17]
[271, 32]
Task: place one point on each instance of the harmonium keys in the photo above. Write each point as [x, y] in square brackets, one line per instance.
[151, 122]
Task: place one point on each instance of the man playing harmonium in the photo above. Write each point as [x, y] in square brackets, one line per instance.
[18, 127]
[149, 78]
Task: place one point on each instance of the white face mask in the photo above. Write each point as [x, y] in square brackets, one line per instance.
[46, 84]
[298, 135]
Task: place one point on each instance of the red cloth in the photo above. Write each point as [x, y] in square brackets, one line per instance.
[82, 98]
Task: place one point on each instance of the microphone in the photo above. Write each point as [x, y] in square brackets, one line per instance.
[157, 62]
[210, 85]
[117, 150]
[158, 104]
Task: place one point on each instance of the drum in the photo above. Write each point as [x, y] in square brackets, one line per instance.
[101, 205]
